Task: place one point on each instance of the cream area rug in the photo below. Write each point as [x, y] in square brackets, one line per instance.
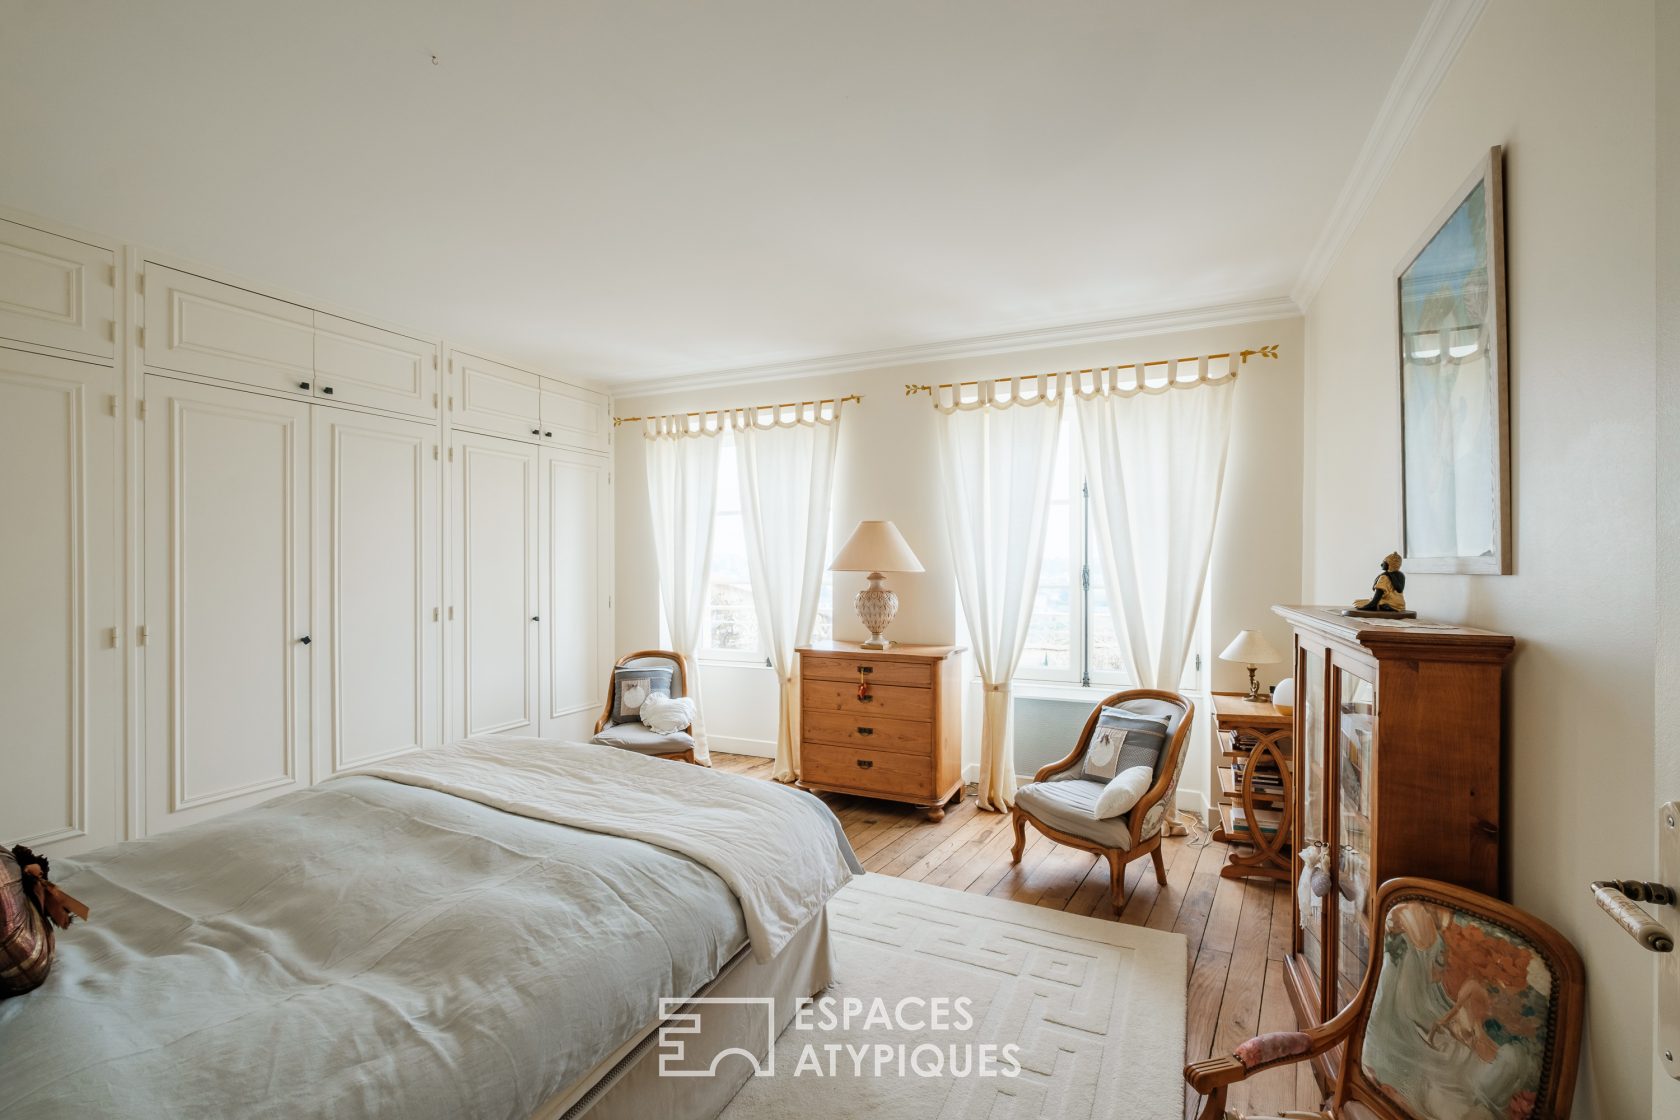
[940, 996]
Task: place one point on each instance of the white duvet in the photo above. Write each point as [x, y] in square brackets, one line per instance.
[782, 866]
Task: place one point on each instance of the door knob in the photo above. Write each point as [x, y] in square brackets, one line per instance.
[548, 435]
[303, 384]
[327, 389]
[305, 639]
[1616, 897]
[534, 618]
[536, 431]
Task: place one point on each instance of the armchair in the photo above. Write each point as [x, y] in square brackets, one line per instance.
[1057, 801]
[1471, 1007]
[632, 734]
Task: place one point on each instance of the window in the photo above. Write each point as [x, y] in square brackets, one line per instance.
[731, 630]
[1071, 638]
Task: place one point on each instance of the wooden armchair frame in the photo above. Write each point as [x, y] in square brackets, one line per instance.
[1213, 1077]
[681, 664]
[1117, 858]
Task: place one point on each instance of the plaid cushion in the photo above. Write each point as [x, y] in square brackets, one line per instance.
[632, 687]
[1121, 741]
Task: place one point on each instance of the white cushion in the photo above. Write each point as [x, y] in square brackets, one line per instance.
[1123, 791]
[666, 714]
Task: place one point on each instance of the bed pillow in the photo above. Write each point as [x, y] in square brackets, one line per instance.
[631, 689]
[666, 714]
[1121, 741]
[1125, 790]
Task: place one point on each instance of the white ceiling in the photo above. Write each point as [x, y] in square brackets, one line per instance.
[626, 190]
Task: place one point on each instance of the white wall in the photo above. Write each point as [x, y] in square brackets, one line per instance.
[887, 469]
[1568, 88]
[1665, 1090]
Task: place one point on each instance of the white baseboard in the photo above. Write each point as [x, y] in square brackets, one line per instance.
[758, 748]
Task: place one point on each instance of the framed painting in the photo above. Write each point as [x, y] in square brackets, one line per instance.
[1455, 434]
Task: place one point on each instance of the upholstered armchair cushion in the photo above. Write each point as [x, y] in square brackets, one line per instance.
[637, 737]
[1070, 806]
[1461, 1017]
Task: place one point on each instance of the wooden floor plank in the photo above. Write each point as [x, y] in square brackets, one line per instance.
[1237, 930]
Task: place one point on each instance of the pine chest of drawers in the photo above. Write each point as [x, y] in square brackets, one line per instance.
[882, 723]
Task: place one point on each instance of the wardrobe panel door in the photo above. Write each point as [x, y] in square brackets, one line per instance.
[495, 488]
[574, 417]
[194, 325]
[376, 650]
[60, 673]
[576, 571]
[227, 599]
[56, 291]
[378, 368]
[490, 397]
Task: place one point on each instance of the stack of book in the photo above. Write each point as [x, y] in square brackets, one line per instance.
[1267, 820]
[1267, 781]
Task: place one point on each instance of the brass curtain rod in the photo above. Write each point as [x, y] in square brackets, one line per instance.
[858, 397]
[1270, 351]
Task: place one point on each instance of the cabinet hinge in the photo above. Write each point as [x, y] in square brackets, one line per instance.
[452, 614]
[609, 602]
[140, 337]
[116, 636]
[434, 451]
[452, 402]
[111, 404]
[434, 366]
[436, 614]
[434, 400]
[140, 283]
[140, 635]
[110, 330]
[451, 454]
[111, 275]
[140, 410]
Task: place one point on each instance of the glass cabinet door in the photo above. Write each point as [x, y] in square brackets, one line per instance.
[1313, 831]
[1355, 743]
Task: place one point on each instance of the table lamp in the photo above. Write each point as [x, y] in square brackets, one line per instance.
[1251, 648]
[876, 547]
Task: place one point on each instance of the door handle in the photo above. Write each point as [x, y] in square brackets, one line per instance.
[534, 618]
[303, 384]
[536, 431]
[327, 389]
[305, 639]
[1616, 897]
[548, 435]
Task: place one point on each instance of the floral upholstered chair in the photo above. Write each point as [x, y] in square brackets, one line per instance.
[1062, 799]
[1471, 1010]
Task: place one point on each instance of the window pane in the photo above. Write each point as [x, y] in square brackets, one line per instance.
[1105, 641]
[1050, 633]
[731, 618]
[823, 631]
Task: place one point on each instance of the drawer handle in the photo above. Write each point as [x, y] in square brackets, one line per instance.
[865, 763]
[866, 731]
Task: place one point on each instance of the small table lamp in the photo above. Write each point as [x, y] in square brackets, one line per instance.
[1251, 648]
[876, 547]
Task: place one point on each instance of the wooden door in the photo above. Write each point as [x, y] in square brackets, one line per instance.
[574, 417]
[60, 668]
[227, 548]
[359, 364]
[198, 326]
[56, 291]
[378, 599]
[495, 529]
[495, 399]
[576, 628]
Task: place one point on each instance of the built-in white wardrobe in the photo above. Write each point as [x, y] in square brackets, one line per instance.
[259, 544]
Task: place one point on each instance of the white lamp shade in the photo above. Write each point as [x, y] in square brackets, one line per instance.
[1251, 648]
[876, 546]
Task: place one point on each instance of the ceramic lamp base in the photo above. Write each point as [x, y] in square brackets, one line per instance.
[876, 607]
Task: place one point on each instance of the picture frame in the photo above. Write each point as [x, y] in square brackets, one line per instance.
[1453, 366]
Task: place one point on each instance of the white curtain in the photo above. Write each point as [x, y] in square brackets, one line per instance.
[1155, 463]
[786, 478]
[996, 455]
[682, 473]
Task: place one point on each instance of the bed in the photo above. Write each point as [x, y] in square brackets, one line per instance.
[483, 930]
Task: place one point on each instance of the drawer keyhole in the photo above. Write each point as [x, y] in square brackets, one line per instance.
[865, 763]
[866, 669]
[866, 731]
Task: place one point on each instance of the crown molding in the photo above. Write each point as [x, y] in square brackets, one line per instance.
[1445, 27]
[1249, 310]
